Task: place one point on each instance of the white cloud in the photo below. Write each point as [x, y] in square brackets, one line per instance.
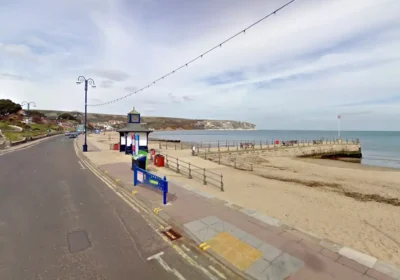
[296, 69]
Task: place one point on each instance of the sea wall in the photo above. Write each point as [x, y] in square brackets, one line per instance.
[311, 150]
[246, 159]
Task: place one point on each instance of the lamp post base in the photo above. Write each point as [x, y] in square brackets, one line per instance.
[84, 147]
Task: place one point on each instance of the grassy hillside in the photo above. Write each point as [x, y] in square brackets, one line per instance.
[10, 129]
[157, 123]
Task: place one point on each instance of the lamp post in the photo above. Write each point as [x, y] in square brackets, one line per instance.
[91, 83]
[28, 105]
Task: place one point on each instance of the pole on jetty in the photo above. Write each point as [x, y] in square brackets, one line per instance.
[339, 118]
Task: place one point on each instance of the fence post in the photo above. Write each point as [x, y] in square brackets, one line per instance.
[165, 190]
[219, 158]
[260, 144]
[204, 174]
[134, 175]
[235, 163]
[166, 161]
[175, 146]
[205, 154]
[190, 172]
[226, 143]
[228, 147]
[222, 184]
[218, 145]
[201, 144]
[177, 165]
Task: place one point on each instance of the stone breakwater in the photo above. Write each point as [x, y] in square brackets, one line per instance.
[324, 150]
[247, 159]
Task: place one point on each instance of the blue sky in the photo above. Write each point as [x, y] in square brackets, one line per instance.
[297, 70]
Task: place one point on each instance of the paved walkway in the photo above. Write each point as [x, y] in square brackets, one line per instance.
[250, 242]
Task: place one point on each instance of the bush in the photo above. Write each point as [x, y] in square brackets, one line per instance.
[8, 107]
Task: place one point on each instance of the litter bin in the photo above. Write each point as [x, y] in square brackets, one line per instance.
[159, 160]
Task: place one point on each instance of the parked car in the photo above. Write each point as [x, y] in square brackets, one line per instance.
[73, 134]
[67, 133]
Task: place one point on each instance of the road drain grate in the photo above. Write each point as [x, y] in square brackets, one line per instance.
[172, 235]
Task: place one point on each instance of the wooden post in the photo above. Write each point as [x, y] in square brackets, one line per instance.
[166, 161]
[175, 146]
[204, 175]
[205, 154]
[222, 184]
[218, 145]
[235, 164]
[219, 158]
[226, 143]
[177, 165]
[260, 144]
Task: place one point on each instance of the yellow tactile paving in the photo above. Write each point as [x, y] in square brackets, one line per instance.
[235, 251]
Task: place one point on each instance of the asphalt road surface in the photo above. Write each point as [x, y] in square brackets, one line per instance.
[59, 221]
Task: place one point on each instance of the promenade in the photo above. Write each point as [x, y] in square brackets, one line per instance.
[252, 225]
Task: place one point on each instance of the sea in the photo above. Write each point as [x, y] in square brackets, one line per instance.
[379, 148]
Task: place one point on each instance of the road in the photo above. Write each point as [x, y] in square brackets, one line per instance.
[60, 221]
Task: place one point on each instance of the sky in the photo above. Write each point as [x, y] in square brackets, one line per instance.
[298, 69]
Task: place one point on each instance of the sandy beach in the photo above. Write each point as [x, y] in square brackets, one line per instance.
[348, 203]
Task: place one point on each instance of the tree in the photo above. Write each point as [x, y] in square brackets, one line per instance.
[8, 107]
[66, 116]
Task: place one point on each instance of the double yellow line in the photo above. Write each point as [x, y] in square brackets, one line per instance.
[204, 246]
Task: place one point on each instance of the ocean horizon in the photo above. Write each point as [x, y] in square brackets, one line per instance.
[379, 148]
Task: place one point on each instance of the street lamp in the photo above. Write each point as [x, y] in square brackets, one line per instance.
[91, 83]
[28, 105]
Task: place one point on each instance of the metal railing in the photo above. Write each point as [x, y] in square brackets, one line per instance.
[195, 172]
[216, 157]
[248, 144]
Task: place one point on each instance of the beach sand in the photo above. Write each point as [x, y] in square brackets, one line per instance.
[348, 203]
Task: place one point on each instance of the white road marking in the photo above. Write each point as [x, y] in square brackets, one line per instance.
[186, 248]
[82, 167]
[155, 256]
[127, 201]
[217, 272]
[169, 269]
